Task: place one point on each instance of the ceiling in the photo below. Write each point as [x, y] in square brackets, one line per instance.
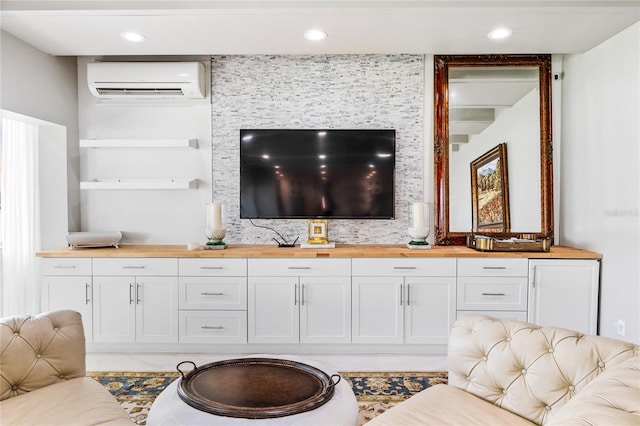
[93, 27]
[478, 95]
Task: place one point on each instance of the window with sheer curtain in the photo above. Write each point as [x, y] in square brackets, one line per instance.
[20, 218]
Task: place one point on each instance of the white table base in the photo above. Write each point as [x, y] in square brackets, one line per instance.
[341, 410]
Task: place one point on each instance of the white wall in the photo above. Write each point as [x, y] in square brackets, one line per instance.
[600, 179]
[156, 216]
[44, 87]
[52, 144]
[519, 128]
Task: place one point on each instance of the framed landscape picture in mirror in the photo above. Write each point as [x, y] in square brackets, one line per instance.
[490, 191]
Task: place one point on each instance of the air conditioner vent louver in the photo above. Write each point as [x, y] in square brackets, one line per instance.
[139, 91]
[146, 80]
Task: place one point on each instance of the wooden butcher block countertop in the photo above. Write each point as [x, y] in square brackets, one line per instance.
[341, 251]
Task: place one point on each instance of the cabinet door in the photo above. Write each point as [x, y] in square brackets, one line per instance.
[430, 309]
[377, 310]
[156, 309]
[564, 293]
[273, 310]
[114, 309]
[70, 292]
[325, 310]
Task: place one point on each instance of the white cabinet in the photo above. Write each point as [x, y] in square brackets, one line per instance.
[564, 293]
[495, 287]
[273, 310]
[377, 309]
[429, 309]
[114, 309]
[67, 284]
[213, 300]
[176, 302]
[325, 310]
[140, 308]
[299, 300]
[403, 300]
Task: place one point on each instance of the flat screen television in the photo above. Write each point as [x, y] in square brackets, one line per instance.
[321, 174]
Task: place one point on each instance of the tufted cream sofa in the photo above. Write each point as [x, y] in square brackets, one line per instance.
[42, 374]
[504, 372]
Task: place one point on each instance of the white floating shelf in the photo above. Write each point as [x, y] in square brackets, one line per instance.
[140, 184]
[139, 143]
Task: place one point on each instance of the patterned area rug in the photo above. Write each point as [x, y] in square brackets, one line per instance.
[375, 392]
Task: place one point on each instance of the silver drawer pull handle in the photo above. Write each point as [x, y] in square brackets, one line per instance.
[133, 267]
[65, 267]
[299, 267]
[212, 327]
[206, 293]
[404, 267]
[493, 294]
[494, 267]
[211, 267]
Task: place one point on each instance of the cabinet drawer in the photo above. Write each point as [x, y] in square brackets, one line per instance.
[225, 293]
[493, 267]
[510, 315]
[389, 267]
[212, 267]
[135, 266]
[299, 267]
[65, 266]
[492, 294]
[213, 326]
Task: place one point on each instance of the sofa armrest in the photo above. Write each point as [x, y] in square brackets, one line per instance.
[530, 370]
[37, 351]
[612, 398]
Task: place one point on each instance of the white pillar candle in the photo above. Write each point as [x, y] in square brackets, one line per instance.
[418, 215]
[214, 216]
[217, 216]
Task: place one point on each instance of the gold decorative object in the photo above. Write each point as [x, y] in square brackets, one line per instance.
[524, 243]
[318, 232]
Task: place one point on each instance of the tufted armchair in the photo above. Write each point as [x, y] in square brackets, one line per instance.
[42, 374]
[504, 372]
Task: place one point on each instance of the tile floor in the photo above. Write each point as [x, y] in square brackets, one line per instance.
[359, 362]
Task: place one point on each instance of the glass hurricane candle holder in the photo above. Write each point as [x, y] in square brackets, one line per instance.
[420, 219]
[214, 231]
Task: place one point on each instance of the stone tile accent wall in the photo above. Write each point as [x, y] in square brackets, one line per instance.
[318, 91]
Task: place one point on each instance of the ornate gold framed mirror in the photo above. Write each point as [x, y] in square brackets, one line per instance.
[481, 102]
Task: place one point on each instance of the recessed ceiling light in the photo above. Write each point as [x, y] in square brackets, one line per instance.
[500, 34]
[133, 37]
[315, 35]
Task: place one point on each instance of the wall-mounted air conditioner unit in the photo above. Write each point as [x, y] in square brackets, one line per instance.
[146, 80]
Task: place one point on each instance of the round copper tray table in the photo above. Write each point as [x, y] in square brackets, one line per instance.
[256, 388]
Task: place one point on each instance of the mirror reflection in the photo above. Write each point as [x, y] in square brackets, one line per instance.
[489, 107]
